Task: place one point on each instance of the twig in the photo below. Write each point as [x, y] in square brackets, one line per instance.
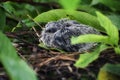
[36, 32]
[11, 35]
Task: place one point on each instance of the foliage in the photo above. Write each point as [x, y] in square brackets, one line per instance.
[111, 30]
[112, 39]
[109, 72]
[54, 15]
[17, 16]
[86, 58]
[115, 18]
[69, 5]
[113, 4]
[2, 19]
[90, 38]
[16, 68]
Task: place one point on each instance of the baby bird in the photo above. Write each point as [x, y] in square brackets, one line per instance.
[57, 34]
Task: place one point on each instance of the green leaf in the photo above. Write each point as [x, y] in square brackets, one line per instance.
[2, 19]
[112, 68]
[110, 28]
[87, 38]
[113, 4]
[94, 2]
[117, 49]
[85, 2]
[86, 18]
[28, 22]
[109, 72]
[51, 15]
[88, 9]
[16, 68]
[81, 17]
[115, 18]
[69, 5]
[86, 58]
[8, 7]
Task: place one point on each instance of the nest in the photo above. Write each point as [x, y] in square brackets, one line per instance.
[53, 65]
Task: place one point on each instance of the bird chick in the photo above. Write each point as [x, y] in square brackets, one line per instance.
[57, 34]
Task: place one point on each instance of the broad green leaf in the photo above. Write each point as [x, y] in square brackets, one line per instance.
[2, 19]
[94, 2]
[85, 2]
[112, 68]
[117, 50]
[8, 7]
[88, 9]
[86, 58]
[110, 28]
[51, 15]
[86, 18]
[81, 17]
[88, 38]
[28, 22]
[69, 5]
[109, 72]
[113, 4]
[16, 68]
[115, 18]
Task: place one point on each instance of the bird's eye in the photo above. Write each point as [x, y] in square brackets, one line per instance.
[52, 30]
[68, 25]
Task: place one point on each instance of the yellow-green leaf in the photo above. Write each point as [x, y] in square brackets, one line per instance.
[110, 28]
[86, 58]
[89, 38]
[81, 17]
[69, 4]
